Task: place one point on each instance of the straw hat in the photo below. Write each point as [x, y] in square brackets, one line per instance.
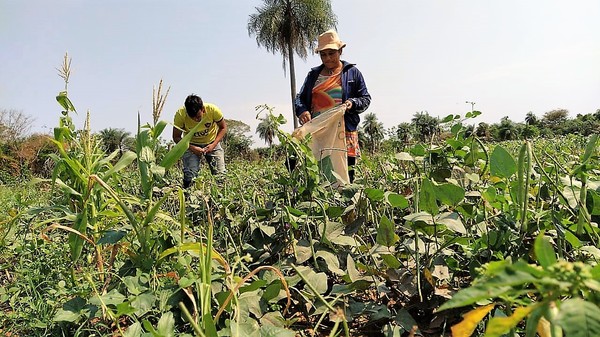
[329, 40]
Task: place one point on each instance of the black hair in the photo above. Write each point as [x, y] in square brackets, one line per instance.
[193, 104]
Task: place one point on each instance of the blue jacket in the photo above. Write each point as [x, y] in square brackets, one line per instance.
[354, 89]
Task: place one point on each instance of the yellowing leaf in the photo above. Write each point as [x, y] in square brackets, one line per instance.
[470, 320]
[499, 326]
[543, 328]
[428, 277]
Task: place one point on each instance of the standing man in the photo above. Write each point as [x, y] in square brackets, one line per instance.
[206, 141]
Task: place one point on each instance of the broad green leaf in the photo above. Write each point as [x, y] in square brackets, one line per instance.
[124, 308]
[396, 200]
[249, 303]
[326, 167]
[543, 251]
[417, 150]
[449, 194]
[334, 211]
[334, 233]
[470, 321]
[405, 320]
[158, 129]
[447, 119]
[427, 199]
[593, 202]
[249, 328]
[374, 194]
[391, 261]
[332, 262]
[76, 241]
[590, 148]
[579, 318]
[386, 235]
[166, 325]
[454, 143]
[143, 303]
[475, 294]
[353, 273]
[499, 326]
[272, 291]
[456, 128]
[452, 221]
[113, 297]
[209, 324]
[111, 237]
[253, 286]
[64, 101]
[134, 330]
[275, 331]
[502, 164]
[71, 310]
[423, 217]
[303, 251]
[318, 281]
[63, 315]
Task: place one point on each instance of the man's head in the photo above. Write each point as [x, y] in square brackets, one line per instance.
[193, 105]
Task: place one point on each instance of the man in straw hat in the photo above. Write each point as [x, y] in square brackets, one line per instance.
[333, 83]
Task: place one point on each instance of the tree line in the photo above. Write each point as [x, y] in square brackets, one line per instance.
[23, 155]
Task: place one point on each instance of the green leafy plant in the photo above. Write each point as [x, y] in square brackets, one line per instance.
[565, 294]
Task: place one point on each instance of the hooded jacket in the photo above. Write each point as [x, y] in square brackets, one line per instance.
[354, 89]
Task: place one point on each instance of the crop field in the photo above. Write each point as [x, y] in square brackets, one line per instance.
[456, 237]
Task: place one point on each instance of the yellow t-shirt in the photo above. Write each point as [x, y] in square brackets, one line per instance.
[207, 132]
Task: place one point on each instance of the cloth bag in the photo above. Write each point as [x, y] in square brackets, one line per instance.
[328, 143]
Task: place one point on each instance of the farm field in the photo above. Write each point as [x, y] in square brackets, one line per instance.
[452, 238]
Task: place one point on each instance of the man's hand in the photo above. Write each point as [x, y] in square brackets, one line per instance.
[197, 149]
[304, 117]
[348, 105]
[209, 148]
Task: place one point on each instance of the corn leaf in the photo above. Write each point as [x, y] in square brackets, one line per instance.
[179, 149]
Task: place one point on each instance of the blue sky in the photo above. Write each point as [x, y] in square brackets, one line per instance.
[509, 57]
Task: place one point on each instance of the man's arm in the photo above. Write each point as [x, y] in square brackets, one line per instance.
[220, 134]
[177, 135]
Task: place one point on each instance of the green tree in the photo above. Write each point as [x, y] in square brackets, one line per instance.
[483, 131]
[236, 141]
[373, 130]
[555, 120]
[400, 135]
[267, 128]
[114, 139]
[507, 130]
[531, 119]
[14, 126]
[288, 27]
[425, 125]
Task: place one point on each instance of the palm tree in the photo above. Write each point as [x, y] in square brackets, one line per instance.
[114, 139]
[291, 26]
[267, 128]
[425, 125]
[530, 119]
[373, 129]
[507, 129]
[483, 130]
